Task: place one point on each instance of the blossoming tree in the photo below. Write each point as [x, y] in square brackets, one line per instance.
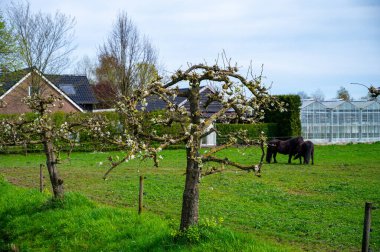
[246, 96]
[41, 129]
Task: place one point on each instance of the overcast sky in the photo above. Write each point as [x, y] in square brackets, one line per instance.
[304, 45]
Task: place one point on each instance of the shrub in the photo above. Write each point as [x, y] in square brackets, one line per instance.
[289, 122]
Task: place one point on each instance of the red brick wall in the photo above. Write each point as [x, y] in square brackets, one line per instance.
[13, 100]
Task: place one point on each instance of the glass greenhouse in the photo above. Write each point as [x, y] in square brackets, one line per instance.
[340, 121]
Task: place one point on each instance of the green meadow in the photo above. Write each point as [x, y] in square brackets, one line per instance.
[289, 208]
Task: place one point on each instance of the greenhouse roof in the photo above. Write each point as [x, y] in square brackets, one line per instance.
[363, 104]
[306, 103]
[332, 104]
[338, 103]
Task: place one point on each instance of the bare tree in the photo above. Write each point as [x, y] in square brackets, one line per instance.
[248, 97]
[129, 51]
[44, 41]
[86, 66]
[318, 95]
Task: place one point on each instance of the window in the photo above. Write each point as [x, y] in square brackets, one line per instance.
[32, 90]
[67, 89]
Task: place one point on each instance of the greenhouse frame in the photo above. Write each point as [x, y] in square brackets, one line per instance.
[340, 121]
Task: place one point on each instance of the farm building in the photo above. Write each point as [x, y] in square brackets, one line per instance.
[340, 121]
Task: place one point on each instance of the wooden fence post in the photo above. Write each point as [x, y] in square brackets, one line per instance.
[367, 227]
[141, 193]
[41, 178]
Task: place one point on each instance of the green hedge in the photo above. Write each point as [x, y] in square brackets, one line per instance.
[289, 122]
[253, 130]
[88, 143]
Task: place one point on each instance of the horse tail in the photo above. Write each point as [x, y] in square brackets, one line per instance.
[307, 156]
[309, 152]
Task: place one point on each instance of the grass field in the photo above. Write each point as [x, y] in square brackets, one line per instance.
[31, 221]
[313, 208]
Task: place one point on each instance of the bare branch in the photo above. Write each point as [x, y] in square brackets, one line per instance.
[134, 59]
[226, 161]
[44, 41]
[373, 91]
[114, 165]
[217, 149]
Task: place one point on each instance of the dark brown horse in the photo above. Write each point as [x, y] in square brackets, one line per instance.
[288, 147]
[306, 151]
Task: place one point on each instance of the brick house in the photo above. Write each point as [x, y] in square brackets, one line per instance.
[74, 91]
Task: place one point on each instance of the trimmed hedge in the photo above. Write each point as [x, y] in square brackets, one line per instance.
[253, 130]
[289, 122]
[88, 143]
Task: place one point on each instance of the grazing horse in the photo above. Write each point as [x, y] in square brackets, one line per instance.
[306, 150]
[289, 147]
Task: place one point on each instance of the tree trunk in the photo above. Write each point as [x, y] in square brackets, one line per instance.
[51, 164]
[190, 203]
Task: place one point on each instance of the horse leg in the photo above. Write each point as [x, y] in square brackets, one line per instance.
[307, 156]
[274, 157]
[312, 156]
[268, 156]
[290, 159]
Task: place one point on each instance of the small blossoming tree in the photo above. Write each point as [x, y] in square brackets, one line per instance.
[246, 97]
[41, 129]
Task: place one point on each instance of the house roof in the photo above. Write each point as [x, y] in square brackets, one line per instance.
[82, 94]
[155, 103]
[80, 87]
[9, 79]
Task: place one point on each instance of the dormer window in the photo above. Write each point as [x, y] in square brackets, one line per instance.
[67, 89]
